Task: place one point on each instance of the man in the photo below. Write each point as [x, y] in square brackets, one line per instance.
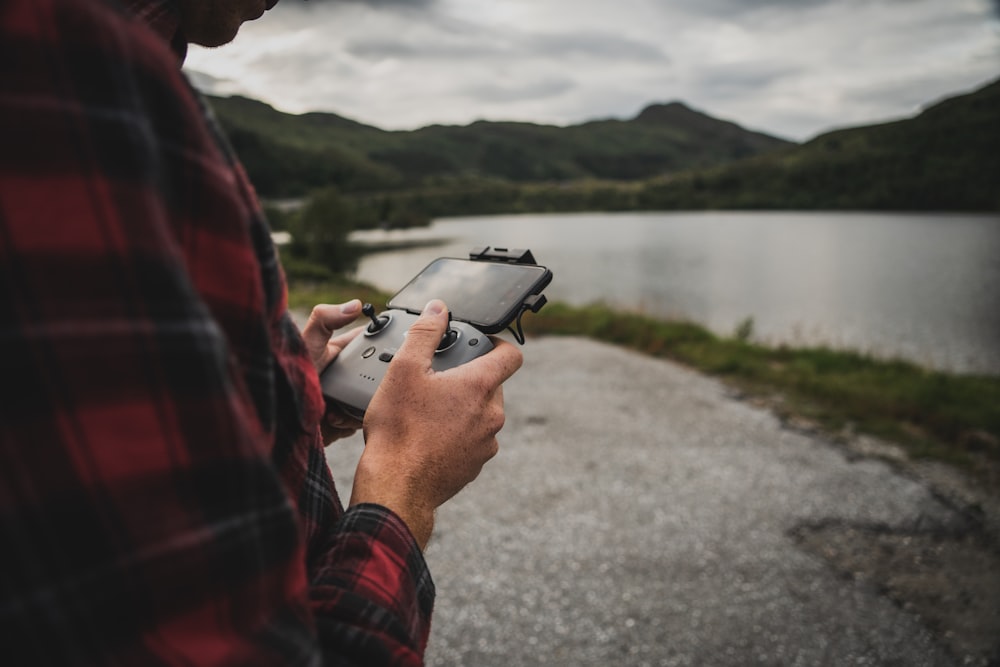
[164, 497]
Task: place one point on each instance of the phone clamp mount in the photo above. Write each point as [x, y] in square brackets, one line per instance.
[351, 379]
[534, 302]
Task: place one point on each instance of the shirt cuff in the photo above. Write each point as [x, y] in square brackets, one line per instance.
[371, 591]
[390, 530]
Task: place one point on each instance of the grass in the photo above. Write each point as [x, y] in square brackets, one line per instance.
[303, 295]
[932, 414]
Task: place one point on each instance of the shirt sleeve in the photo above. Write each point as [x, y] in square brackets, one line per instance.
[164, 498]
[369, 609]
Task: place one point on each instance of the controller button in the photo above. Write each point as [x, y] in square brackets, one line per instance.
[473, 342]
[368, 352]
[385, 356]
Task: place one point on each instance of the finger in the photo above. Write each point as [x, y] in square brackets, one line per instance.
[497, 365]
[496, 417]
[335, 419]
[326, 318]
[323, 321]
[340, 341]
[331, 434]
[425, 334]
[333, 348]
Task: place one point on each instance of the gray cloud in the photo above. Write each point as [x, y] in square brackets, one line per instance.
[753, 5]
[733, 8]
[394, 3]
[789, 67]
[291, 13]
[520, 90]
[593, 44]
[549, 46]
[740, 79]
[292, 5]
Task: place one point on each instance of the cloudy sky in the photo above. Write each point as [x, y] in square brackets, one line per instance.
[793, 68]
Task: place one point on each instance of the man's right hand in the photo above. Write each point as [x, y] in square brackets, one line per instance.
[427, 433]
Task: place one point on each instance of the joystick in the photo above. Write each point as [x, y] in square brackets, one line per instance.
[449, 338]
[378, 323]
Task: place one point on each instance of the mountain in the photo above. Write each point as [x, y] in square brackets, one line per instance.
[668, 157]
[945, 158]
[289, 154]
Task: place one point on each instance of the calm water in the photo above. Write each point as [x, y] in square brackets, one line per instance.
[922, 287]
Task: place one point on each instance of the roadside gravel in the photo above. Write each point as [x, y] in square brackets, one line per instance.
[641, 514]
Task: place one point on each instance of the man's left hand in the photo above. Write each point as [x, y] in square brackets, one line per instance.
[323, 348]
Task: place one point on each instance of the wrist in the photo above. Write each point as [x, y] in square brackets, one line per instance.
[392, 492]
[420, 523]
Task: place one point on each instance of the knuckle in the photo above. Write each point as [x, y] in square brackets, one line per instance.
[316, 314]
[403, 367]
[497, 419]
[422, 327]
[492, 448]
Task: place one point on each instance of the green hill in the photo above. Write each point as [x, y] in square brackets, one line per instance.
[289, 154]
[945, 158]
[668, 157]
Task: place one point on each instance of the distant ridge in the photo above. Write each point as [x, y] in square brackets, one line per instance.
[945, 158]
[667, 157]
[674, 113]
[290, 154]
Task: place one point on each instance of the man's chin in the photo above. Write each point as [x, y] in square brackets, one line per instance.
[271, 3]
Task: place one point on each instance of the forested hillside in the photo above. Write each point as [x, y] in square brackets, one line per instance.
[946, 158]
[288, 155]
[668, 157]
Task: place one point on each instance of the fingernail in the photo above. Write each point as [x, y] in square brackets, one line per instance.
[434, 307]
[351, 307]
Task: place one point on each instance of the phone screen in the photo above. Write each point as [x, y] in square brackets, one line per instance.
[487, 295]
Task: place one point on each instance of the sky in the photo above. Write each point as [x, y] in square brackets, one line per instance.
[791, 68]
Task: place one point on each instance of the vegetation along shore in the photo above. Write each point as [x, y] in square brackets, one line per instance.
[931, 414]
[669, 157]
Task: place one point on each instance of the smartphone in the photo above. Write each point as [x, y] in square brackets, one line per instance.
[487, 295]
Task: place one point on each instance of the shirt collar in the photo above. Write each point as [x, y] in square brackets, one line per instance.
[163, 18]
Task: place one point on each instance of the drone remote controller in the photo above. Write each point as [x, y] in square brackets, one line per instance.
[485, 294]
[352, 380]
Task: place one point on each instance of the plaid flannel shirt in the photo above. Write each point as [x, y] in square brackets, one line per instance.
[164, 496]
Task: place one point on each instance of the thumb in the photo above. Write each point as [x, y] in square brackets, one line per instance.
[425, 333]
[323, 321]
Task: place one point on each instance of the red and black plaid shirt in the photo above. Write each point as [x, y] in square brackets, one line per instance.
[164, 497]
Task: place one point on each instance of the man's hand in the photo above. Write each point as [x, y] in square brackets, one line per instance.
[323, 348]
[427, 433]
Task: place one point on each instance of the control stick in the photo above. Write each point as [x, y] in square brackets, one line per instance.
[378, 323]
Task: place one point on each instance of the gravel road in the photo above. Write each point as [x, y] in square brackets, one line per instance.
[641, 514]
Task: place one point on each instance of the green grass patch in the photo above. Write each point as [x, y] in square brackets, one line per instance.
[955, 418]
[304, 294]
[933, 414]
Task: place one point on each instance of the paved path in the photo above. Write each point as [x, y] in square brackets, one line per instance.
[638, 514]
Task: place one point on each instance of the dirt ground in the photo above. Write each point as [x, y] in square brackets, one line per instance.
[950, 579]
[640, 513]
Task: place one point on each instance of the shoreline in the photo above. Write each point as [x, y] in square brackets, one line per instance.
[931, 414]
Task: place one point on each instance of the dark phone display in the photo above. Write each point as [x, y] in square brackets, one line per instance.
[487, 295]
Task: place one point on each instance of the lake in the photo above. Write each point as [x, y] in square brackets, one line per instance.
[924, 287]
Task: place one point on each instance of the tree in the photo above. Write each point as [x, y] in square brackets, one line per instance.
[320, 232]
